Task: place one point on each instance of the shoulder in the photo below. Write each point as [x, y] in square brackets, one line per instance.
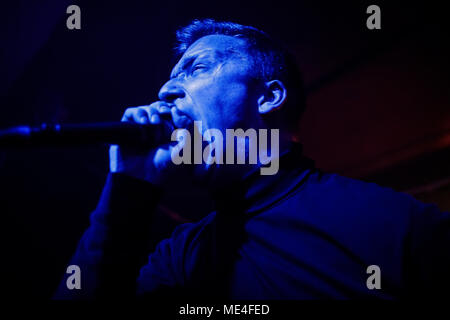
[351, 208]
[340, 199]
[360, 195]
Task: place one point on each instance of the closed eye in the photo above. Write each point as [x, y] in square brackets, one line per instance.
[197, 67]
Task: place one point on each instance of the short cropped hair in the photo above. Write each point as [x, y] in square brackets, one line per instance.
[272, 61]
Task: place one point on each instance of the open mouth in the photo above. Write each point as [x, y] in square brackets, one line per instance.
[175, 120]
[183, 122]
[179, 119]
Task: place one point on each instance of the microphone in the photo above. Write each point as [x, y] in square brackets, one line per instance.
[122, 133]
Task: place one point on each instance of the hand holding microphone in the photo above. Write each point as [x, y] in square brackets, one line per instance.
[153, 165]
[140, 144]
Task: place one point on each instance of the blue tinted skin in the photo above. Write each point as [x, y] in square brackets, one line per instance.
[214, 83]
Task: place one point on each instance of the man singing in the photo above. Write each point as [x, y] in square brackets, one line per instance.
[295, 233]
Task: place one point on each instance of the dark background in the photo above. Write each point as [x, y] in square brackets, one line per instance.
[378, 106]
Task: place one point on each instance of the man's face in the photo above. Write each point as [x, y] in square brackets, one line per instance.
[213, 83]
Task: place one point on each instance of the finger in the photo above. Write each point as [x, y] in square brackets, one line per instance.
[164, 109]
[146, 114]
[137, 114]
[157, 110]
[142, 116]
[159, 107]
[155, 119]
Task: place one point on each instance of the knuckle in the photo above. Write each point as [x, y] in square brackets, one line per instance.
[153, 110]
[140, 111]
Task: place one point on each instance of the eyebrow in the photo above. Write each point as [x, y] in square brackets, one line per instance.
[190, 59]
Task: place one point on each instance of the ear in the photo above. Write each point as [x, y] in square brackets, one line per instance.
[274, 96]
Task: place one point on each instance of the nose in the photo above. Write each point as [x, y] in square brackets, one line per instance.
[170, 91]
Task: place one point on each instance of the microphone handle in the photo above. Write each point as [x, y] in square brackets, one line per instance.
[122, 133]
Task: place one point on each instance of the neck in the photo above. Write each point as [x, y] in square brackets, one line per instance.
[228, 174]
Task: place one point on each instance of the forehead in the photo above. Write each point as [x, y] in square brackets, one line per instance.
[219, 43]
[215, 46]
